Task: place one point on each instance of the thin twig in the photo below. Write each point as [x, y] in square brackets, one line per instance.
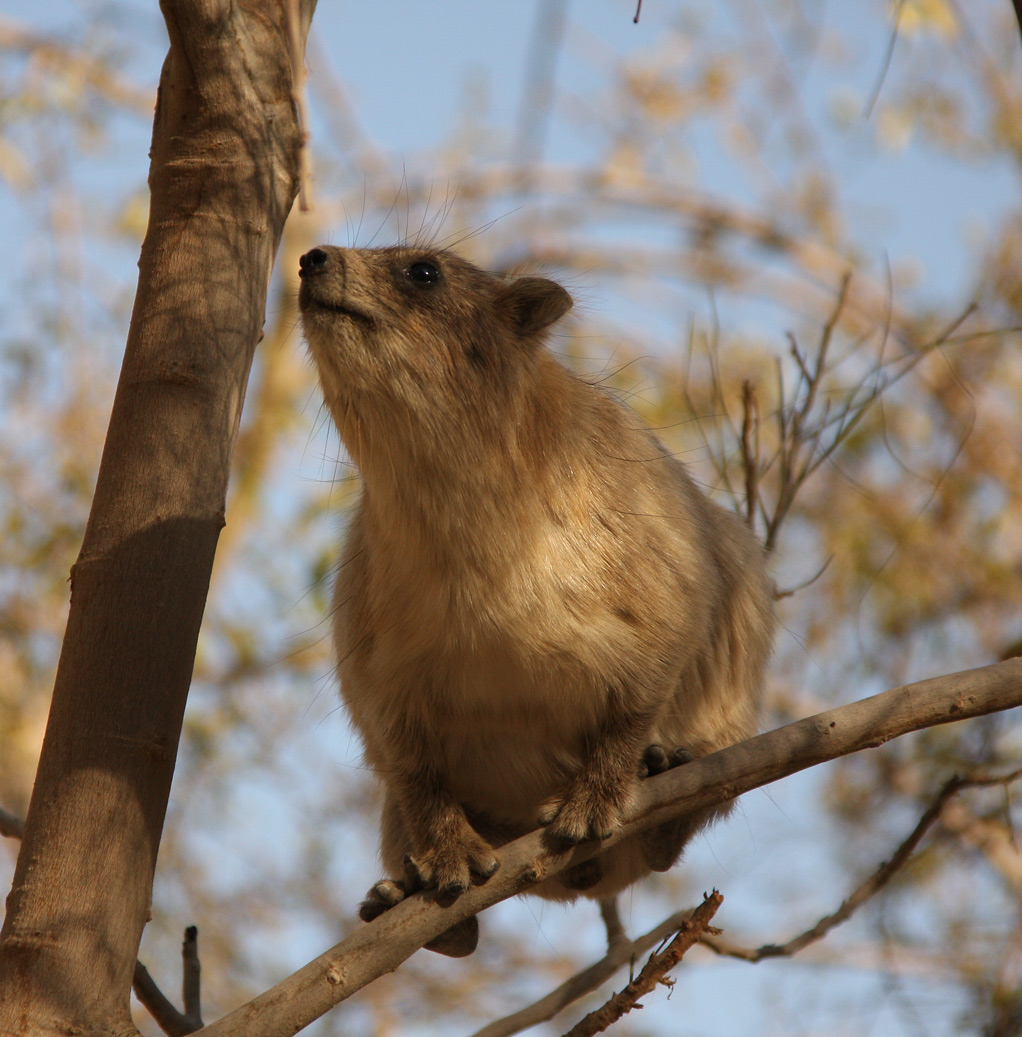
[828, 328]
[653, 972]
[871, 886]
[750, 450]
[794, 427]
[806, 442]
[789, 591]
[612, 922]
[881, 384]
[191, 974]
[168, 1018]
[886, 63]
[784, 474]
[155, 1002]
[586, 981]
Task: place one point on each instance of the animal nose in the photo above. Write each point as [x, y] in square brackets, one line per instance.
[312, 262]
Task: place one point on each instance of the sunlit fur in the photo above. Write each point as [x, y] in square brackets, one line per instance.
[532, 590]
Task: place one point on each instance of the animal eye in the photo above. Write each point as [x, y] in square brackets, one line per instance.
[423, 273]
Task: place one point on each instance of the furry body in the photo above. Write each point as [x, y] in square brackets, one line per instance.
[532, 591]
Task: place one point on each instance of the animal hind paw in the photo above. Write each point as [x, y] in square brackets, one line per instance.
[588, 811]
[657, 759]
[457, 942]
[384, 895]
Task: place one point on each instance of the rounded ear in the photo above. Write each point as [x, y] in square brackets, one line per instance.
[532, 304]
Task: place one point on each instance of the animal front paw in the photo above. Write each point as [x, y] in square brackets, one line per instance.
[457, 942]
[453, 862]
[590, 810]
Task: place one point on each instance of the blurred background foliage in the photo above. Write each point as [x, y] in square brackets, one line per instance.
[772, 214]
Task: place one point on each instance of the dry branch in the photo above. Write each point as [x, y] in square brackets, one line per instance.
[867, 889]
[749, 444]
[382, 945]
[808, 431]
[170, 1020]
[653, 972]
[589, 979]
[612, 922]
[585, 982]
[167, 1017]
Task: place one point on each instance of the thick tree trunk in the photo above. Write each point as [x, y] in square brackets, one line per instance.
[222, 180]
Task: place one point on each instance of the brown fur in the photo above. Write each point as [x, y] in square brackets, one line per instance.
[532, 592]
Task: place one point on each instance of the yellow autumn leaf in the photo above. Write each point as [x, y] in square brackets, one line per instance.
[936, 16]
[624, 165]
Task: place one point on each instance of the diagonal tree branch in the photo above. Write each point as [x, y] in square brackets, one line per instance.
[589, 979]
[870, 887]
[381, 946]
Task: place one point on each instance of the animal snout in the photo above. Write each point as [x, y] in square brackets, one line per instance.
[313, 262]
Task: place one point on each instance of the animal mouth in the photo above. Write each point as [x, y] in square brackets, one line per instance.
[309, 301]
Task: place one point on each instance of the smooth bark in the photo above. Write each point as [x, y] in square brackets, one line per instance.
[222, 180]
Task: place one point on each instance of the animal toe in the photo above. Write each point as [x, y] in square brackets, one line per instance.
[581, 817]
[382, 897]
[655, 760]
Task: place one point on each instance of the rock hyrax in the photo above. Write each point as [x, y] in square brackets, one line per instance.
[536, 604]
